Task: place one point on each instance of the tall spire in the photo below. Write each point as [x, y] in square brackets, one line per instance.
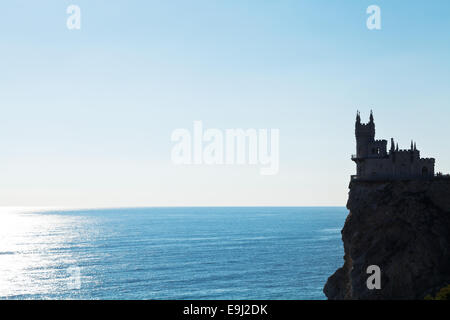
[415, 148]
[371, 116]
[412, 145]
[392, 145]
[396, 148]
[358, 117]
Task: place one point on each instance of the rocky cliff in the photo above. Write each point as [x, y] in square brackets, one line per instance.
[404, 228]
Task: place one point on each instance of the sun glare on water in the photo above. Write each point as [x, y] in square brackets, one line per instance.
[27, 240]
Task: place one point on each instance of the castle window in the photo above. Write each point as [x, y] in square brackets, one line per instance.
[424, 171]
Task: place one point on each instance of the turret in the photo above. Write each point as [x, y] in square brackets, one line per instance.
[365, 134]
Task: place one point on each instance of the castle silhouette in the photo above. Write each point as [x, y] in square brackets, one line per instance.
[373, 162]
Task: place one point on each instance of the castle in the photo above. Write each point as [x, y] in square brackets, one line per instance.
[373, 162]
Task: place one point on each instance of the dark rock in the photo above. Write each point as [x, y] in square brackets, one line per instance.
[404, 228]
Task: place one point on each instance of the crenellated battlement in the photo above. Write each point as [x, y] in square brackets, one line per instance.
[365, 125]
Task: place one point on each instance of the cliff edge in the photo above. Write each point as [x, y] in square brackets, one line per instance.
[404, 228]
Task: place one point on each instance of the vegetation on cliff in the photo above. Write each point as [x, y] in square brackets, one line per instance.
[443, 294]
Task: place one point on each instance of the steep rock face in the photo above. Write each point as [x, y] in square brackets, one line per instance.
[404, 228]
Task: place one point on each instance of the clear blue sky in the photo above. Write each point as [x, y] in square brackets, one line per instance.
[86, 115]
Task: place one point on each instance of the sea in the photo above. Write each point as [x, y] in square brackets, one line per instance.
[169, 252]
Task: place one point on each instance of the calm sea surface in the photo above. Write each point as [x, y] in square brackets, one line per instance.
[170, 253]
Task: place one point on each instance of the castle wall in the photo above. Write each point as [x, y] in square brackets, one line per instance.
[376, 168]
[377, 148]
[427, 163]
[401, 164]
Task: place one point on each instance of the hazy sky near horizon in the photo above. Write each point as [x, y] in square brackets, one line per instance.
[87, 115]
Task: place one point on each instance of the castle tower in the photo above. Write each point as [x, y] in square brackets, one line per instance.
[365, 135]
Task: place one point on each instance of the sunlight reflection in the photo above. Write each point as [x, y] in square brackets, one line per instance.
[28, 240]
